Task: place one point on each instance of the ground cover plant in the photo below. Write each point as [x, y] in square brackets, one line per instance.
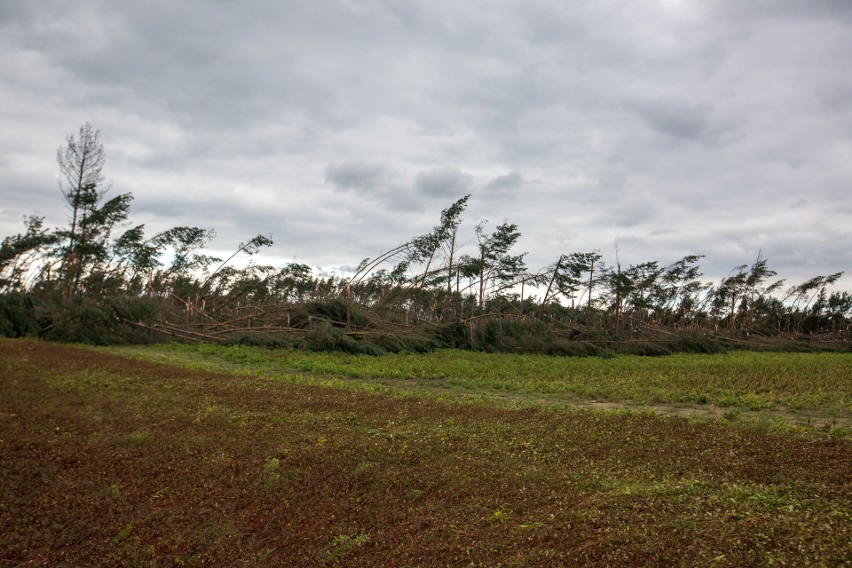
[804, 388]
[108, 461]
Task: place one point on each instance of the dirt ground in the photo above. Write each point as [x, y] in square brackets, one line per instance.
[108, 461]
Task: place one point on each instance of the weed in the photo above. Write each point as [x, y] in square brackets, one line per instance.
[499, 517]
[270, 475]
[123, 533]
[731, 415]
[343, 544]
[137, 438]
[837, 431]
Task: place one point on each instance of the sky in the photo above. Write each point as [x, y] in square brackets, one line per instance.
[660, 128]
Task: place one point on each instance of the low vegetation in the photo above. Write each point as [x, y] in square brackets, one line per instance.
[799, 387]
[112, 461]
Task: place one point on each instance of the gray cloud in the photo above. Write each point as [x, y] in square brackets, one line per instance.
[445, 182]
[361, 176]
[680, 126]
[684, 121]
[505, 184]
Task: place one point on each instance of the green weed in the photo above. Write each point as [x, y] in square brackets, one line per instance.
[270, 474]
[137, 438]
[342, 544]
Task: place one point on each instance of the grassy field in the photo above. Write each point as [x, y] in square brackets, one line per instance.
[798, 388]
[114, 461]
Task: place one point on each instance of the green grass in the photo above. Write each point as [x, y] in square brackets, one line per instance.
[752, 380]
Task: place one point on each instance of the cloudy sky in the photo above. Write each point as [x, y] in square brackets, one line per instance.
[669, 127]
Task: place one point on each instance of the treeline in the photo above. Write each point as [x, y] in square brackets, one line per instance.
[102, 280]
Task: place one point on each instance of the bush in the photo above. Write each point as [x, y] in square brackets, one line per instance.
[261, 340]
[693, 343]
[511, 335]
[577, 349]
[409, 344]
[86, 321]
[334, 311]
[328, 338]
[645, 349]
[18, 315]
[455, 336]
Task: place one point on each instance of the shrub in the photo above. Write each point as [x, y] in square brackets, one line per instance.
[334, 311]
[328, 338]
[18, 315]
[577, 349]
[261, 340]
[407, 344]
[694, 343]
[87, 321]
[645, 349]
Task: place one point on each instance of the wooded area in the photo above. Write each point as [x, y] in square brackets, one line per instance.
[97, 281]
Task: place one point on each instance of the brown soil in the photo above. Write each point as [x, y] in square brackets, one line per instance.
[108, 461]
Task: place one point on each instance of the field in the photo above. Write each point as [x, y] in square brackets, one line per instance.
[241, 456]
[765, 389]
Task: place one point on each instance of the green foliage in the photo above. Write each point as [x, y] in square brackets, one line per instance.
[645, 349]
[261, 340]
[336, 312]
[497, 334]
[328, 338]
[342, 544]
[578, 349]
[693, 343]
[18, 315]
[100, 323]
[406, 344]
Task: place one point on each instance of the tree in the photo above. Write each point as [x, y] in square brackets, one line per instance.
[450, 221]
[679, 287]
[755, 288]
[570, 278]
[644, 278]
[725, 296]
[442, 239]
[21, 254]
[618, 285]
[81, 163]
[493, 262]
[813, 289]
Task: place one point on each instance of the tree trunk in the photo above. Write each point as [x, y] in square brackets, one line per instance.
[591, 274]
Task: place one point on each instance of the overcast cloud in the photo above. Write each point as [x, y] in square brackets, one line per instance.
[671, 127]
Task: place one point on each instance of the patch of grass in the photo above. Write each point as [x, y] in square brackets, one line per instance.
[137, 439]
[752, 380]
[837, 431]
[270, 475]
[123, 533]
[342, 544]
